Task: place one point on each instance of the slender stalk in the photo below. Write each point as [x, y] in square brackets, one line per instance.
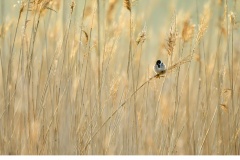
[228, 56]
[99, 63]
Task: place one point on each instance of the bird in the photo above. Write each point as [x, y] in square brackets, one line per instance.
[159, 67]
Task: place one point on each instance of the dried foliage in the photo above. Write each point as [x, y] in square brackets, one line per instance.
[86, 35]
[4, 29]
[40, 6]
[172, 37]
[188, 30]
[72, 6]
[226, 94]
[127, 4]
[111, 8]
[232, 18]
[114, 86]
[142, 36]
[202, 28]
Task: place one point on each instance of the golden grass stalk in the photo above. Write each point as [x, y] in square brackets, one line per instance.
[207, 132]
[127, 4]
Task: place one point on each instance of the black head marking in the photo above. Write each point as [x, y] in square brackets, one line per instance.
[158, 62]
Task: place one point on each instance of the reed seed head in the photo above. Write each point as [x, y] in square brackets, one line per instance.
[188, 30]
[232, 18]
[171, 41]
[72, 6]
[202, 28]
[127, 4]
[111, 8]
[141, 36]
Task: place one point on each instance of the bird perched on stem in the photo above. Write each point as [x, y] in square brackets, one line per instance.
[159, 67]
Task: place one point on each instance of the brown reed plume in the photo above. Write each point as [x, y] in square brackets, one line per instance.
[41, 6]
[127, 4]
[202, 28]
[72, 6]
[141, 36]
[171, 41]
[188, 30]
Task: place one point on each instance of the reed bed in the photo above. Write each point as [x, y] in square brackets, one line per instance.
[76, 77]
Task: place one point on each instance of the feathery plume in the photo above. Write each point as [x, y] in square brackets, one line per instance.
[232, 18]
[127, 4]
[72, 6]
[142, 35]
[188, 30]
[112, 5]
[171, 41]
[203, 23]
[226, 94]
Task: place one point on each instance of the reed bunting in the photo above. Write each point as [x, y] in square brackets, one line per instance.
[159, 67]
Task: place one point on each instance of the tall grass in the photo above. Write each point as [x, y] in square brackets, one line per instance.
[76, 77]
